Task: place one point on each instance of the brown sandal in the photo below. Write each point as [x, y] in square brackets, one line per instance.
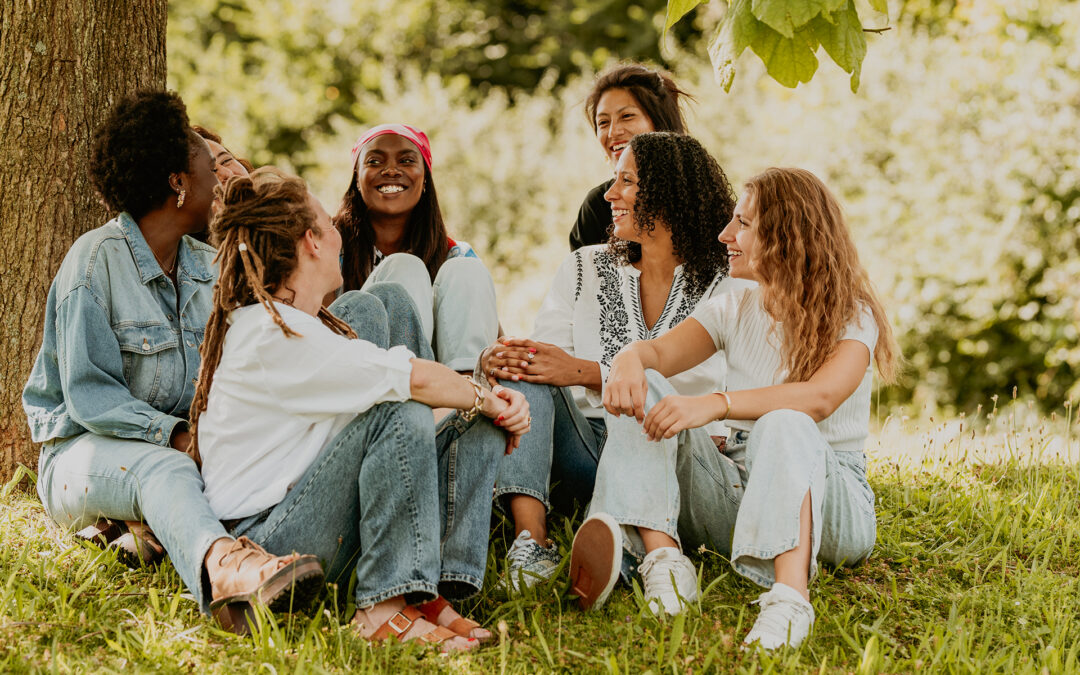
[259, 578]
[400, 623]
[460, 626]
[134, 543]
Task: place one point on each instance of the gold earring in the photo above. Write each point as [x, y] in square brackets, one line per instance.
[180, 199]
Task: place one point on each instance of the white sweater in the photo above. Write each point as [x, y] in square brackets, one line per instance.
[594, 309]
[740, 327]
[277, 401]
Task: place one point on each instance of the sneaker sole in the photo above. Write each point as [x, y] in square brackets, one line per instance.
[594, 560]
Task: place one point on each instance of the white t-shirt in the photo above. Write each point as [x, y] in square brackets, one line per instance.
[594, 309]
[740, 327]
[277, 401]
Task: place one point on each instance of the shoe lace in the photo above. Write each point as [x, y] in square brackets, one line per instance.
[657, 575]
[521, 551]
[776, 614]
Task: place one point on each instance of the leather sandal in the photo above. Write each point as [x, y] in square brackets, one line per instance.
[460, 626]
[399, 624]
[101, 533]
[255, 577]
[138, 547]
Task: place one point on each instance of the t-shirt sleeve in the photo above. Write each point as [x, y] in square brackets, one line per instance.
[863, 329]
[717, 314]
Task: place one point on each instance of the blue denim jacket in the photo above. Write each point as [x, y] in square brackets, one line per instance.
[120, 353]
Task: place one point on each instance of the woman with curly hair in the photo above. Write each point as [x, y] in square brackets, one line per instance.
[313, 439]
[669, 201]
[109, 393]
[626, 100]
[790, 487]
[393, 230]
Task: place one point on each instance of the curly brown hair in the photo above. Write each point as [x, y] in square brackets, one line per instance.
[811, 278]
[682, 188]
[654, 90]
[257, 227]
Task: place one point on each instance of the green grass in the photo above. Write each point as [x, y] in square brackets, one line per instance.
[975, 571]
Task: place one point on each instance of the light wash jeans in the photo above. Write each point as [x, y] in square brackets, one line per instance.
[457, 310]
[562, 447]
[744, 503]
[405, 507]
[87, 477]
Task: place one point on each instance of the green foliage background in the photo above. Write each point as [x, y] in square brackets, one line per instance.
[958, 158]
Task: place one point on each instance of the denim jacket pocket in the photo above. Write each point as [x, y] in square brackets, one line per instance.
[151, 359]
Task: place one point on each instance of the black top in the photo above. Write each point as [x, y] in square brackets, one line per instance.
[593, 219]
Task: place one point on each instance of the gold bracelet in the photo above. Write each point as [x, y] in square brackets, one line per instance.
[727, 411]
[478, 401]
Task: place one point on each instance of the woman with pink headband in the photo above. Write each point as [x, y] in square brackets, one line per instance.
[393, 230]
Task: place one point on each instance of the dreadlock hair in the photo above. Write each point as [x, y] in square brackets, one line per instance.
[261, 219]
[654, 90]
[425, 235]
[683, 189]
[811, 279]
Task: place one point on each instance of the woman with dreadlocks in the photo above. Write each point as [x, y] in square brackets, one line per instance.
[790, 487]
[312, 439]
[668, 201]
[393, 230]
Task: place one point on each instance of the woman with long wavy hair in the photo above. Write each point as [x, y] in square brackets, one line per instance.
[314, 429]
[669, 201]
[392, 230]
[790, 487]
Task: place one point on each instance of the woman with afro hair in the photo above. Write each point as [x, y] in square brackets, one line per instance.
[669, 201]
[789, 489]
[109, 393]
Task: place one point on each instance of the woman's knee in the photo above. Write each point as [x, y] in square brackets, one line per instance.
[365, 313]
[465, 275]
[400, 265]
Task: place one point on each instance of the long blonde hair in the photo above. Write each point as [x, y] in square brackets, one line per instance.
[811, 278]
[256, 229]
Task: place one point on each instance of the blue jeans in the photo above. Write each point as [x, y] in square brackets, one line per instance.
[87, 477]
[563, 446]
[405, 507]
[457, 311]
[745, 502]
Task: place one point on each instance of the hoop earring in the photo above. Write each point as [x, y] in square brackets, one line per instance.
[180, 199]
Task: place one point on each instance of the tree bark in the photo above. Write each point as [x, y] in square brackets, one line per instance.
[63, 63]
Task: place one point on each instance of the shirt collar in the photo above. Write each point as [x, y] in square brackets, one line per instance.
[188, 264]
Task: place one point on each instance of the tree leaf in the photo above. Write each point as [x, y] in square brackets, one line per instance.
[788, 60]
[880, 6]
[843, 40]
[733, 36]
[787, 16]
[677, 9]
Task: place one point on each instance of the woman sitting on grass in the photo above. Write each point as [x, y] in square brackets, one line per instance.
[790, 489]
[392, 230]
[314, 440]
[110, 390]
[669, 201]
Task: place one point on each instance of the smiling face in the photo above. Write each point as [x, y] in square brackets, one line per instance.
[198, 183]
[622, 195]
[227, 166]
[741, 238]
[390, 175]
[619, 117]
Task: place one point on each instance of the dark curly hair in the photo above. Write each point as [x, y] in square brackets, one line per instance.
[145, 138]
[654, 90]
[681, 187]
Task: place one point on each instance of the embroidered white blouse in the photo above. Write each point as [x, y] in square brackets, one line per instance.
[593, 310]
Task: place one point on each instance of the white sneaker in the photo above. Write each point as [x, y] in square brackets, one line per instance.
[670, 580]
[595, 560]
[785, 618]
[529, 563]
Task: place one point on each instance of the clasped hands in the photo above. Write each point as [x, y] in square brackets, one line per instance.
[524, 360]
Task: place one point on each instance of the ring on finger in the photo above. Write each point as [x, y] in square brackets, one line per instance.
[530, 356]
[493, 372]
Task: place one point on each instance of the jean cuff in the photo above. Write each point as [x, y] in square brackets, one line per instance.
[511, 491]
[395, 591]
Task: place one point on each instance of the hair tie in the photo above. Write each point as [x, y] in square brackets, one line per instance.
[242, 247]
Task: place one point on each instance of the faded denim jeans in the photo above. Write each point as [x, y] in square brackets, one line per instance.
[744, 503]
[562, 447]
[457, 310]
[405, 508]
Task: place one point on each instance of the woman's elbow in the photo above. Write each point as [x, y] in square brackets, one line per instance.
[821, 406]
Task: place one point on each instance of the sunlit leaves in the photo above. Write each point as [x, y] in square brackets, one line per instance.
[785, 34]
[677, 9]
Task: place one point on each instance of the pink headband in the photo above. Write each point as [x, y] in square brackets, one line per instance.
[418, 138]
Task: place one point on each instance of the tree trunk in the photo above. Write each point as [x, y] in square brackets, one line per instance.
[63, 63]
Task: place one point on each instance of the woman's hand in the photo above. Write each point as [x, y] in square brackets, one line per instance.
[626, 388]
[676, 413]
[509, 410]
[524, 360]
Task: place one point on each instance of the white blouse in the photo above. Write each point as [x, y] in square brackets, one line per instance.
[594, 309]
[277, 401]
